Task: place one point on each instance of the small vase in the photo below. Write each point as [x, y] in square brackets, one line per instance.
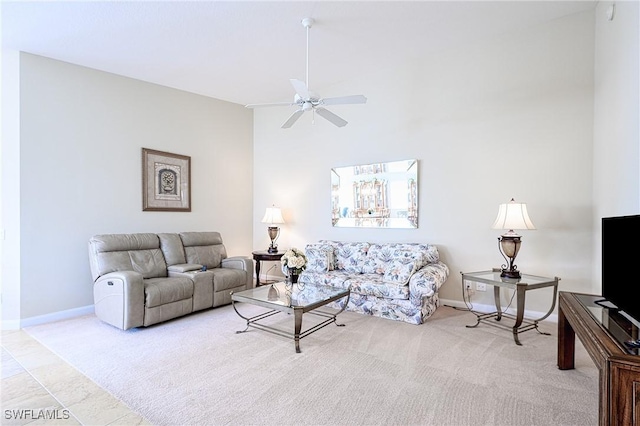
[293, 276]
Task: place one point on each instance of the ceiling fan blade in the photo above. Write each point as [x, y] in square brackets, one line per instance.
[325, 113]
[354, 99]
[269, 104]
[292, 119]
[301, 88]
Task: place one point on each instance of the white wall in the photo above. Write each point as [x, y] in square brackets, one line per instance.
[501, 118]
[10, 190]
[82, 132]
[616, 117]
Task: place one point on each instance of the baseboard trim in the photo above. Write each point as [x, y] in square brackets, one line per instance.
[491, 308]
[89, 309]
[57, 316]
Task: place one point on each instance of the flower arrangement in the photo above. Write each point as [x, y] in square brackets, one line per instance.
[293, 261]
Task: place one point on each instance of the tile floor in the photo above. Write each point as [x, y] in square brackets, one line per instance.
[38, 387]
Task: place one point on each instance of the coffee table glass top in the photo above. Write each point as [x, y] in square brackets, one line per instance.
[493, 278]
[296, 295]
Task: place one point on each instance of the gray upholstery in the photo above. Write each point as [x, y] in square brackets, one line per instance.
[172, 248]
[144, 279]
[204, 248]
[158, 291]
[127, 252]
[213, 287]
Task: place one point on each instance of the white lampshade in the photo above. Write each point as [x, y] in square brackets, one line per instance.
[512, 216]
[273, 215]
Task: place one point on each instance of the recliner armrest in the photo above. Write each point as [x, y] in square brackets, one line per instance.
[119, 299]
[184, 267]
[238, 262]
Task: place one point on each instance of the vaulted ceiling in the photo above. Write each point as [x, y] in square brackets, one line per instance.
[246, 52]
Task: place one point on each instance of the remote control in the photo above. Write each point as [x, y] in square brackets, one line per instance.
[633, 344]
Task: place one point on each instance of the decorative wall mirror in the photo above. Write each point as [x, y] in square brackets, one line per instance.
[380, 195]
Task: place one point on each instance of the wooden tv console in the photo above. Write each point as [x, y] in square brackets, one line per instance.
[619, 368]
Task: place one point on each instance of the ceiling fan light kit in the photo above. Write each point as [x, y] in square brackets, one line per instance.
[306, 100]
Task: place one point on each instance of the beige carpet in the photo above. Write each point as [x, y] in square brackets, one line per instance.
[197, 370]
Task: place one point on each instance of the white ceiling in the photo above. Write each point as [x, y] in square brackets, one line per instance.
[246, 52]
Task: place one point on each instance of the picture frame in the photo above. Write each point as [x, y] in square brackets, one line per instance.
[379, 195]
[166, 181]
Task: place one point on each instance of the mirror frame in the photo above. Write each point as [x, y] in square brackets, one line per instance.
[378, 195]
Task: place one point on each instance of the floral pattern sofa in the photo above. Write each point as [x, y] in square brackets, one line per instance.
[398, 281]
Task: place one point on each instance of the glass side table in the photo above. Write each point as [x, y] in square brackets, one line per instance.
[520, 286]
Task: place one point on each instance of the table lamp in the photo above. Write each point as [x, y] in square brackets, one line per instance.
[511, 216]
[273, 216]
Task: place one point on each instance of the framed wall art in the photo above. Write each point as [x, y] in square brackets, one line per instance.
[380, 195]
[166, 181]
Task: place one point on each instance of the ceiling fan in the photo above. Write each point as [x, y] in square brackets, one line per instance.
[306, 100]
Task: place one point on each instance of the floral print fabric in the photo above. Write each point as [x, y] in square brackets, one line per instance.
[398, 281]
[351, 256]
[399, 271]
[320, 257]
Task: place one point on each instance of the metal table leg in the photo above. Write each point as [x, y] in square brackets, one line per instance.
[496, 298]
[297, 314]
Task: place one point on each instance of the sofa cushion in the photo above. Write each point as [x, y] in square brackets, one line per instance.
[375, 285]
[351, 257]
[399, 271]
[381, 256]
[160, 291]
[127, 252]
[124, 242]
[204, 248]
[320, 257]
[171, 246]
[336, 278]
[365, 284]
[378, 256]
[227, 278]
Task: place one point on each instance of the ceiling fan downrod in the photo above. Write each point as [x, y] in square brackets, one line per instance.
[307, 23]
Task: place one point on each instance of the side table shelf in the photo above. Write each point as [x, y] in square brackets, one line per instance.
[520, 286]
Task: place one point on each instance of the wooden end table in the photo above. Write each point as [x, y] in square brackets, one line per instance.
[264, 255]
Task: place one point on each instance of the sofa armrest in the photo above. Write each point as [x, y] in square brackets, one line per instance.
[119, 299]
[238, 262]
[184, 267]
[428, 280]
[242, 263]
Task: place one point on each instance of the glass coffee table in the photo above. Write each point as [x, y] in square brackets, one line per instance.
[296, 299]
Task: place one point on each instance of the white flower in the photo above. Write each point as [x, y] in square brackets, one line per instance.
[293, 259]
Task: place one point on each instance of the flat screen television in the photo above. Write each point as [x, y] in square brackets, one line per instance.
[620, 280]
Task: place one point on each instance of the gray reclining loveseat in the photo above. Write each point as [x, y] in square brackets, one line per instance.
[143, 279]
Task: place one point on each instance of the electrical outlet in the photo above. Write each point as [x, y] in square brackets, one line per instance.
[468, 285]
[481, 287]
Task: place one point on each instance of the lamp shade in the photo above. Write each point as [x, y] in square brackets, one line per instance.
[512, 216]
[273, 215]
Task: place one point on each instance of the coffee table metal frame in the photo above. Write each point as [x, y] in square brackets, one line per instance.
[248, 296]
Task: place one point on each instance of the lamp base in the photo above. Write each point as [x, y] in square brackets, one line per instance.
[509, 273]
[272, 249]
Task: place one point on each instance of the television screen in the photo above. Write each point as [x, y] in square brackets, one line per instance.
[619, 256]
